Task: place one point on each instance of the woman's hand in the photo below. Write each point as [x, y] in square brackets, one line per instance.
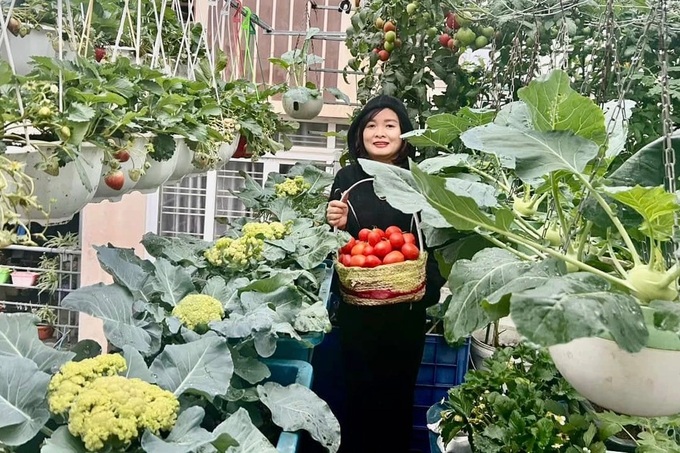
[336, 214]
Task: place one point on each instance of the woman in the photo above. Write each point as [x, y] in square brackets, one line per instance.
[381, 345]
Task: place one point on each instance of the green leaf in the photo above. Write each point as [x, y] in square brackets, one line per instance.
[436, 164]
[536, 153]
[19, 338]
[425, 138]
[515, 115]
[646, 167]
[114, 305]
[339, 95]
[217, 288]
[578, 305]
[122, 86]
[656, 206]
[666, 315]
[183, 249]
[172, 282]
[187, 435]
[472, 282]
[126, 268]
[461, 212]
[395, 184]
[296, 407]
[251, 440]
[555, 106]
[616, 120]
[79, 113]
[62, 441]
[203, 366]
[317, 179]
[136, 366]
[23, 402]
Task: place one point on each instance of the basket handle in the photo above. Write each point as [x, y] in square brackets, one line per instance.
[345, 196]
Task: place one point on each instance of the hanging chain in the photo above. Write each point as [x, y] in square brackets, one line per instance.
[668, 152]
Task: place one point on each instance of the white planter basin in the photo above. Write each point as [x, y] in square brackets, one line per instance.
[644, 383]
[227, 150]
[157, 174]
[138, 156]
[63, 195]
[183, 165]
[37, 43]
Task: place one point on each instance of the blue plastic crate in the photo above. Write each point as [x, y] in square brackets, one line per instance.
[286, 372]
[441, 368]
[290, 348]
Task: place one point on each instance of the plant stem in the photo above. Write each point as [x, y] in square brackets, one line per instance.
[506, 247]
[46, 431]
[615, 220]
[487, 176]
[616, 261]
[558, 207]
[672, 274]
[526, 227]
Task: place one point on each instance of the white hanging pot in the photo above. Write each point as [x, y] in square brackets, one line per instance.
[63, 195]
[227, 150]
[158, 172]
[298, 103]
[39, 42]
[138, 155]
[184, 166]
[642, 383]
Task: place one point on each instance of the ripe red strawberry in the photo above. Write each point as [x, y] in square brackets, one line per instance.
[115, 179]
[99, 53]
[122, 155]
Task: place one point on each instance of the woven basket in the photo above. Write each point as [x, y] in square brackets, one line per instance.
[385, 284]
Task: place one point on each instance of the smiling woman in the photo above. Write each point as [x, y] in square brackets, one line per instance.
[382, 136]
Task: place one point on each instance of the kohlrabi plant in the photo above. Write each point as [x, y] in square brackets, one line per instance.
[571, 245]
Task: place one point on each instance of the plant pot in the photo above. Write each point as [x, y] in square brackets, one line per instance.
[183, 166]
[24, 279]
[642, 383]
[241, 151]
[299, 104]
[480, 350]
[45, 331]
[157, 174]
[228, 149]
[40, 43]
[138, 156]
[63, 195]
[4, 275]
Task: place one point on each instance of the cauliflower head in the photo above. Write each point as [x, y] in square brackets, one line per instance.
[73, 377]
[291, 187]
[115, 410]
[195, 311]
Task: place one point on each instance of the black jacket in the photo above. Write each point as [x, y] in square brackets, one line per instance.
[373, 212]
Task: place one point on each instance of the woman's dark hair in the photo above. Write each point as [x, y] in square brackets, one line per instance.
[406, 150]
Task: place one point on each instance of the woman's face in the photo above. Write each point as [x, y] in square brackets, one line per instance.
[382, 136]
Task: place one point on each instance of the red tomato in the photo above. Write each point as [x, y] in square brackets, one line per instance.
[374, 237]
[372, 261]
[347, 248]
[382, 248]
[363, 234]
[410, 238]
[410, 251]
[395, 256]
[368, 250]
[357, 260]
[358, 248]
[345, 259]
[392, 229]
[397, 240]
[379, 231]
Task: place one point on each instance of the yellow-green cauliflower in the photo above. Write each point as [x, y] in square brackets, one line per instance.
[107, 410]
[195, 311]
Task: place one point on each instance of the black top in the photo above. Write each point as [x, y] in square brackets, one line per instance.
[372, 212]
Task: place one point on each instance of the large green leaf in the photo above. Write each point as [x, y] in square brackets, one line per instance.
[23, 401]
[126, 268]
[217, 288]
[616, 117]
[62, 441]
[136, 366]
[472, 282]
[251, 440]
[296, 407]
[578, 305]
[396, 185]
[114, 305]
[656, 206]
[436, 164]
[536, 153]
[172, 282]
[646, 167]
[183, 249]
[444, 128]
[317, 179]
[202, 366]
[461, 212]
[19, 338]
[187, 435]
[555, 106]
[515, 115]
[252, 192]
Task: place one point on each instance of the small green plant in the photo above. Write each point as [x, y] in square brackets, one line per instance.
[49, 278]
[654, 434]
[69, 240]
[520, 404]
[47, 315]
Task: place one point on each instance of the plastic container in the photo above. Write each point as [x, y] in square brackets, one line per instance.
[24, 279]
[4, 274]
[441, 368]
[286, 372]
[290, 348]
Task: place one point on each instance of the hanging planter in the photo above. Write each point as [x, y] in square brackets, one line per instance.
[241, 151]
[113, 184]
[38, 42]
[227, 150]
[62, 195]
[302, 103]
[158, 172]
[642, 383]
